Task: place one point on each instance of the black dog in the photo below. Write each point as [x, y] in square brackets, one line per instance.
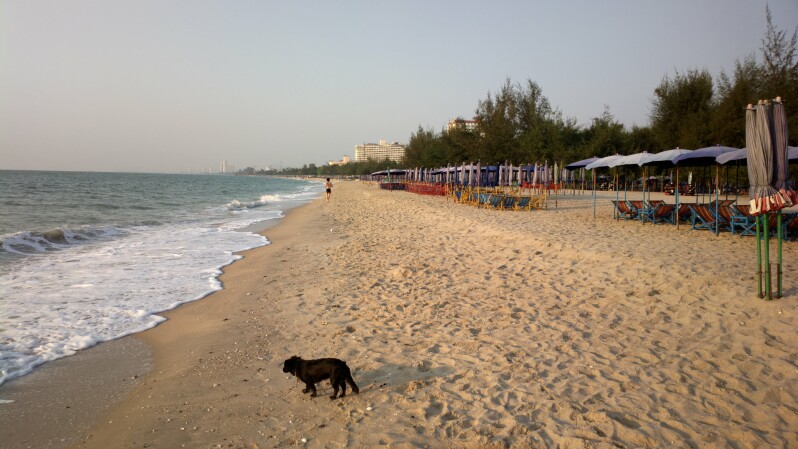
[312, 371]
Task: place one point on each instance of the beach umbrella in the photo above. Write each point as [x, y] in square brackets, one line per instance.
[556, 173]
[703, 156]
[603, 162]
[760, 158]
[546, 174]
[632, 159]
[788, 196]
[581, 164]
[666, 159]
[663, 158]
[535, 174]
[780, 136]
[629, 160]
[758, 139]
[740, 155]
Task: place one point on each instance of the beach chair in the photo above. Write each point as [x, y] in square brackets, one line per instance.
[624, 210]
[663, 213]
[638, 207]
[648, 209]
[538, 202]
[704, 218]
[509, 203]
[725, 212]
[742, 222]
[523, 203]
[495, 201]
[685, 213]
[482, 199]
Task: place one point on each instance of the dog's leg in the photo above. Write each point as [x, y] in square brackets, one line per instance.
[311, 387]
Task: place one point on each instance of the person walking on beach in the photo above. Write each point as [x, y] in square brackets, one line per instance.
[328, 186]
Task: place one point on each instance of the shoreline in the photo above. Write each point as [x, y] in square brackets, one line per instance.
[74, 392]
[473, 328]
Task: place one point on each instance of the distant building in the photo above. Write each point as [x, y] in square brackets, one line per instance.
[458, 123]
[223, 168]
[343, 161]
[379, 151]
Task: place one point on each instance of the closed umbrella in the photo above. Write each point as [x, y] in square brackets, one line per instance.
[780, 135]
[759, 141]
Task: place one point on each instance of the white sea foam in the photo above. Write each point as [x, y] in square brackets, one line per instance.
[93, 285]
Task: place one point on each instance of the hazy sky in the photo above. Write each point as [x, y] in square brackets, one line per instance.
[160, 85]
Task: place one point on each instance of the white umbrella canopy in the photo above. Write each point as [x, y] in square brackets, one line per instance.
[581, 164]
[738, 155]
[603, 162]
[663, 157]
[632, 159]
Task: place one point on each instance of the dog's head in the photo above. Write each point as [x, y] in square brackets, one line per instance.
[291, 365]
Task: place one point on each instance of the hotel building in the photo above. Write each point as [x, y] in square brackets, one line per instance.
[458, 123]
[379, 151]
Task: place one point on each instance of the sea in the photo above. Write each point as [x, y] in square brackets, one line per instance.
[91, 257]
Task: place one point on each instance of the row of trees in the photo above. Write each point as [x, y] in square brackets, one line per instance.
[351, 169]
[689, 110]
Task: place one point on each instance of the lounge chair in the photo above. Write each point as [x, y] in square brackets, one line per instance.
[704, 218]
[523, 203]
[663, 213]
[495, 201]
[742, 222]
[685, 213]
[509, 202]
[624, 210]
[648, 209]
[638, 207]
[538, 202]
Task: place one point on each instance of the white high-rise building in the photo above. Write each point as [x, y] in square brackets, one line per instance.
[379, 151]
[224, 167]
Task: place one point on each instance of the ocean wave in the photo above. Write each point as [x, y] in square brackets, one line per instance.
[28, 243]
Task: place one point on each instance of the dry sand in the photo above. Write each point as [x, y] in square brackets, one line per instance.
[467, 327]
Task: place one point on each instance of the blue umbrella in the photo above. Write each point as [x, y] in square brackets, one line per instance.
[581, 164]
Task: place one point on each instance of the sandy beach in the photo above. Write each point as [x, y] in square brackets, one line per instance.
[464, 328]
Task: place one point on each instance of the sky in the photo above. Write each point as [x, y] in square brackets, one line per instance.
[177, 86]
